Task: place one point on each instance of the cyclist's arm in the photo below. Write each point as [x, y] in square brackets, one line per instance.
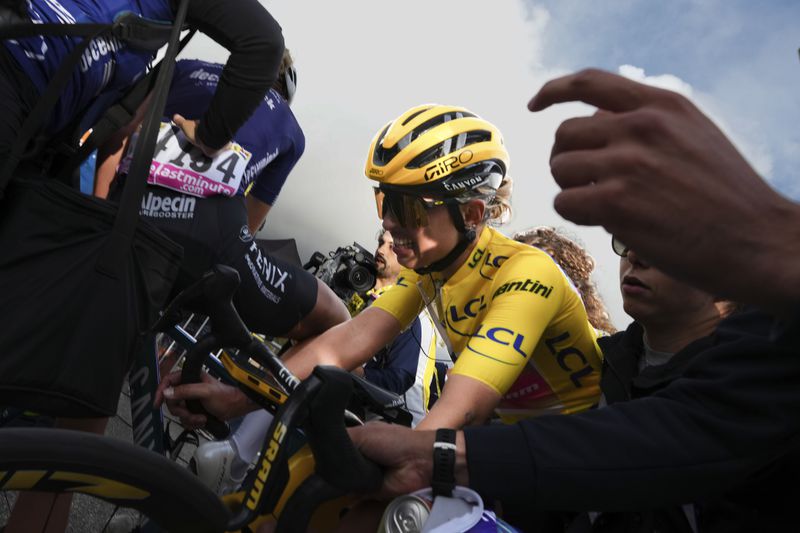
[267, 186]
[406, 456]
[501, 347]
[108, 157]
[346, 345]
[464, 401]
[257, 212]
[255, 41]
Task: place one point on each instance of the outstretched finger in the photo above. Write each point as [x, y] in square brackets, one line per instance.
[599, 88]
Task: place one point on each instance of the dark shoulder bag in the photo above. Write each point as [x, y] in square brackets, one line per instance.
[81, 279]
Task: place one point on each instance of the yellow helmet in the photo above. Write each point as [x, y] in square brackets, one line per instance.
[438, 150]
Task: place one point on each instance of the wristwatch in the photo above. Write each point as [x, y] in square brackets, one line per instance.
[444, 462]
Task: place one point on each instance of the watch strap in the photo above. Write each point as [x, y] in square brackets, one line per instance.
[444, 462]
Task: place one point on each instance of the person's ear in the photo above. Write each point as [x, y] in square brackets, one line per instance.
[473, 212]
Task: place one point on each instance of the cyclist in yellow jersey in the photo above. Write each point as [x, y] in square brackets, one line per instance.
[517, 329]
[516, 325]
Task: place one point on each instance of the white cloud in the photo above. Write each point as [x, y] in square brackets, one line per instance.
[662, 81]
[758, 152]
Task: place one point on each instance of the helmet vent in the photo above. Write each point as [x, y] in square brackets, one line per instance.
[381, 156]
[453, 144]
[413, 115]
[430, 124]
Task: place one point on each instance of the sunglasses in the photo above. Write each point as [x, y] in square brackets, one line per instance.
[619, 248]
[409, 210]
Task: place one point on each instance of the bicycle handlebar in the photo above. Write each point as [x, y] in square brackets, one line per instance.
[211, 295]
[318, 404]
[340, 468]
[338, 460]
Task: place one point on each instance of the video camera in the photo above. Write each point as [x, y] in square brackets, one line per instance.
[349, 270]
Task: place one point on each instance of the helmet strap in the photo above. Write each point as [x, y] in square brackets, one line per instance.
[465, 238]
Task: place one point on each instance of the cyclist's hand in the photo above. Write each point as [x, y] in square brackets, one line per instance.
[405, 454]
[189, 128]
[222, 401]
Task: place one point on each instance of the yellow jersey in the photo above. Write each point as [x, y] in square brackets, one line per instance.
[514, 321]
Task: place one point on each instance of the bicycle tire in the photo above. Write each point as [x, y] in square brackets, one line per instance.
[59, 460]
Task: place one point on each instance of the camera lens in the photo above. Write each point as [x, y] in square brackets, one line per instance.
[360, 278]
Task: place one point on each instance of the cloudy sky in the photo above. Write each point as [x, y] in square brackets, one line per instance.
[361, 63]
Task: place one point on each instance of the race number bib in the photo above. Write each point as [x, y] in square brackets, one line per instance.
[181, 166]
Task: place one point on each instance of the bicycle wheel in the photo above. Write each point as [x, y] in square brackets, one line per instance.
[57, 460]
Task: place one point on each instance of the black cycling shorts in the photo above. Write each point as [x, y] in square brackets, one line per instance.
[273, 296]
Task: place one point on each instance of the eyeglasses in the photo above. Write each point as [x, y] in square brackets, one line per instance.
[619, 248]
[409, 210]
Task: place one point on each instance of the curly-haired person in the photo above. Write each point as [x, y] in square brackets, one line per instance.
[577, 264]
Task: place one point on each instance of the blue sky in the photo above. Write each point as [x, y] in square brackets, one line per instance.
[740, 58]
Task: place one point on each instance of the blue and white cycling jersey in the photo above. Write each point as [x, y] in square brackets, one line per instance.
[271, 135]
[408, 365]
[107, 67]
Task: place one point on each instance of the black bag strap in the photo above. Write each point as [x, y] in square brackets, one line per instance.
[43, 106]
[112, 260]
[128, 26]
[118, 115]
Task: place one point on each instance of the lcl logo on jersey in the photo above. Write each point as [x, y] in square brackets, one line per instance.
[570, 359]
[471, 309]
[490, 260]
[502, 336]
